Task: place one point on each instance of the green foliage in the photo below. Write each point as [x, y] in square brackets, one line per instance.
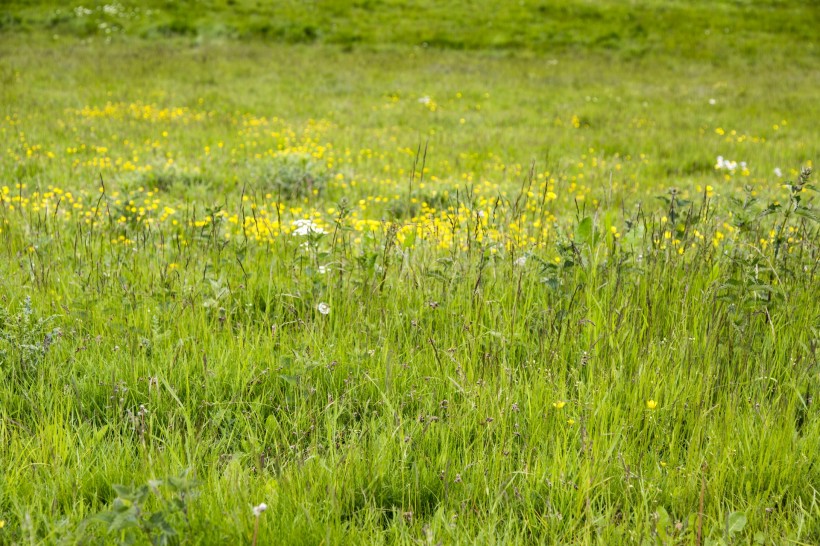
[129, 518]
[523, 335]
[720, 28]
[25, 340]
[291, 177]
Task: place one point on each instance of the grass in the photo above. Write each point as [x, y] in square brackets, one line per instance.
[722, 30]
[404, 280]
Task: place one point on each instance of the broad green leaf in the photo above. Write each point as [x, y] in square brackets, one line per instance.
[663, 523]
[124, 520]
[583, 233]
[736, 522]
[807, 213]
[123, 491]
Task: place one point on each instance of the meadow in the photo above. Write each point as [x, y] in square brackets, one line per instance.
[409, 273]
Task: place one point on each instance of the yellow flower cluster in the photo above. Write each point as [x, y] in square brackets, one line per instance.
[154, 158]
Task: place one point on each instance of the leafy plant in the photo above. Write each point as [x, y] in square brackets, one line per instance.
[292, 176]
[130, 517]
[25, 339]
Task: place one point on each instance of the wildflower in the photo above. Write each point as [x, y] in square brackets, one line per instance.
[651, 404]
[520, 262]
[306, 227]
[323, 308]
[712, 102]
[257, 510]
[570, 422]
[725, 164]
[778, 173]
[2, 523]
[559, 404]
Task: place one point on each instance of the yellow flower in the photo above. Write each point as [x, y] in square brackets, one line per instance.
[2, 523]
[570, 421]
[559, 404]
[651, 404]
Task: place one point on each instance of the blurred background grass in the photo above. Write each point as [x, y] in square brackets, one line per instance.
[719, 32]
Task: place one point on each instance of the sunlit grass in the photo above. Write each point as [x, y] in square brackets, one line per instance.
[405, 295]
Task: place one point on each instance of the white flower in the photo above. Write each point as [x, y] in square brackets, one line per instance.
[323, 308]
[712, 102]
[728, 165]
[257, 510]
[322, 270]
[424, 100]
[778, 173]
[306, 227]
[521, 262]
